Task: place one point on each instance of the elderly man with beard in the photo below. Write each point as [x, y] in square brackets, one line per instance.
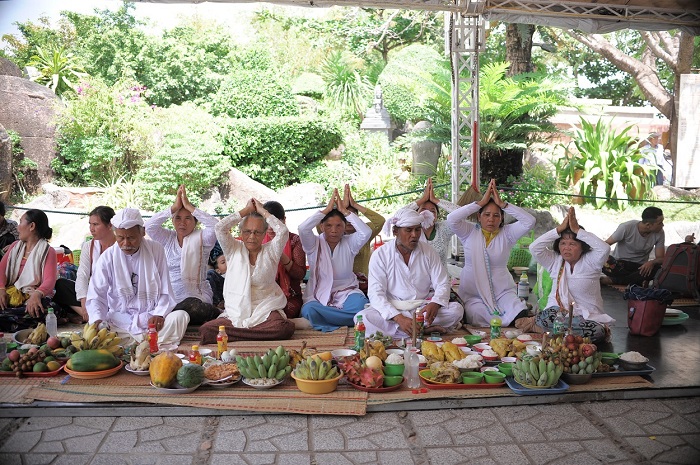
[407, 274]
[130, 286]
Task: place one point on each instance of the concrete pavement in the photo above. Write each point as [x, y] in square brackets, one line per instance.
[653, 431]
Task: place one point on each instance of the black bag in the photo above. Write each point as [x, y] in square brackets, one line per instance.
[679, 271]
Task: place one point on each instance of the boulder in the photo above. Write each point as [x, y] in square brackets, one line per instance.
[235, 192]
[671, 193]
[8, 68]
[29, 110]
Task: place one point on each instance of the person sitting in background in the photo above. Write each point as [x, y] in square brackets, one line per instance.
[72, 294]
[406, 274]
[292, 266]
[574, 263]
[8, 231]
[439, 234]
[216, 277]
[27, 274]
[254, 302]
[187, 249]
[376, 222]
[130, 286]
[332, 296]
[486, 286]
[629, 262]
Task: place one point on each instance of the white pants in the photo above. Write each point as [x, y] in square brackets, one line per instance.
[447, 317]
[173, 330]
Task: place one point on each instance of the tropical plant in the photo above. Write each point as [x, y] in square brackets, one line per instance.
[21, 165]
[346, 88]
[252, 94]
[606, 165]
[59, 70]
[535, 188]
[119, 192]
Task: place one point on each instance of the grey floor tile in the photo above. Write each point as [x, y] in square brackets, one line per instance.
[10, 459]
[110, 459]
[226, 459]
[294, 459]
[38, 459]
[73, 459]
[22, 441]
[605, 450]
[349, 458]
[87, 443]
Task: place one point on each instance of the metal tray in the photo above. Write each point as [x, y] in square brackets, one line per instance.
[647, 370]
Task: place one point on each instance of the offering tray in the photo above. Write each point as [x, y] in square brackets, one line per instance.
[518, 388]
[430, 384]
[31, 374]
[646, 370]
[376, 390]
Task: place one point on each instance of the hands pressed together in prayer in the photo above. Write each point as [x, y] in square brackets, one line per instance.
[569, 222]
[491, 192]
[181, 201]
[428, 195]
[338, 203]
[253, 205]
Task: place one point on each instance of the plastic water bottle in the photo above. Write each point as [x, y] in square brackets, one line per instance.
[523, 287]
[51, 323]
[411, 361]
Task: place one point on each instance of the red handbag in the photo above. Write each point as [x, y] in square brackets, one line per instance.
[378, 242]
[644, 317]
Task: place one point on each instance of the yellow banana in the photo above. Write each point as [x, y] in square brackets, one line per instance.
[94, 342]
[102, 334]
[75, 337]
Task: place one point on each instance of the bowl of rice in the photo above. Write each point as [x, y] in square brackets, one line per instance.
[631, 361]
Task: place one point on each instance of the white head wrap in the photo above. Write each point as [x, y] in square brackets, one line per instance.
[127, 218]
[409, 217]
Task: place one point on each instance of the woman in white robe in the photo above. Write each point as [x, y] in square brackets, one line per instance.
[486, 287]
[332, 296]
[574, 263]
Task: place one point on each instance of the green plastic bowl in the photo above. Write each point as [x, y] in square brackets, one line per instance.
[506, 368]
[393, 370]
[472, 377]
[494, 377]
[392, 380]
[472, 339]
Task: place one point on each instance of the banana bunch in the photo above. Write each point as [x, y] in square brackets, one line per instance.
[315, 369]
[92, 338]
[38, 335]
[535, 371]
[273, 364]
[141, 357]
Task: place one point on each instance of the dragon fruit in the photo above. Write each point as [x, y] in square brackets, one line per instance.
[351, 366]
[371, 377]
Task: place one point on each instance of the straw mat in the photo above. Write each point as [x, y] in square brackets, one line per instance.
[680, 302]
[317, 339]
[125, 387]
[14, 391]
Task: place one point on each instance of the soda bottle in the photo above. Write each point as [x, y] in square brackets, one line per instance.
[420, 322]
[152, 338]
[221, 342]
[3, 346]
[51, 323]
[195, 356]
[359, 333]
[496, 327]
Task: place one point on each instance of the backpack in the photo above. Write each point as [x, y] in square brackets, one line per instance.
[679, 271]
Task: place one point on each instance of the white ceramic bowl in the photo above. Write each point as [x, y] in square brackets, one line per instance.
[468, 350]
[524, 338]
[512, 333]
[483, 369]
[340, 353]
[205, 352]
[391, 351]
[509, 359]
[480, 347]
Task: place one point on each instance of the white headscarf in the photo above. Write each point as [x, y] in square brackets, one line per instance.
[127, 218]
[408, 217]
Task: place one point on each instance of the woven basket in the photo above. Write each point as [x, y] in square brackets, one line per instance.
[519, 257]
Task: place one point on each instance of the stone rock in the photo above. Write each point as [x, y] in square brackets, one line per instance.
[29, 110]
[236, 190]
[425, 153]
[8, 68]
[304, 198]
[5, 164]
[670, 193]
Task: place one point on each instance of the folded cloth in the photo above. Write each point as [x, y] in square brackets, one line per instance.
[528, 325]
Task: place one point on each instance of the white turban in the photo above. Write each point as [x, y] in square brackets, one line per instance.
[127, 218]
[408, 217]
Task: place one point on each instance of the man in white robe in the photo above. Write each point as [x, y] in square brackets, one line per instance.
[407, 274]
[130, 286]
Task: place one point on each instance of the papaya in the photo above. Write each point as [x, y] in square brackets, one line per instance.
[93, 360]
[163, 369]
[190, 375]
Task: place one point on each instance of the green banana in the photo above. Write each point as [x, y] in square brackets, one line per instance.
[322, 370]
[332, 373]
[280, 351]
[533, 370]
[542, 367]
[280, 374]
[543, 379]
[261, 371]
[274, 360]
[313, 368]
[266, 361]
[271, 371]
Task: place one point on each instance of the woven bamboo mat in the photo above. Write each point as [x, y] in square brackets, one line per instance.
[126, 387]
[681, 302]
[14, 391]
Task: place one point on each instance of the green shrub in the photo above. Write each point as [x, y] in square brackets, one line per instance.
[87, 160]
[534, 182]
[189, 152]
[252, 94]
[310, 85]
[278, 151]
[21, 165]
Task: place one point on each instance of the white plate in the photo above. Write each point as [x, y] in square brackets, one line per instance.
[673, 311]
[136, 372]
[482, 346]
[176, 390]
[223, 384]
[247, 383]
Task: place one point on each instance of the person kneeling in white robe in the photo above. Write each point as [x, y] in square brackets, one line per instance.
[406, 274]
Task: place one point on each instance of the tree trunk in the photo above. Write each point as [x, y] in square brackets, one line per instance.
[519, 48]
